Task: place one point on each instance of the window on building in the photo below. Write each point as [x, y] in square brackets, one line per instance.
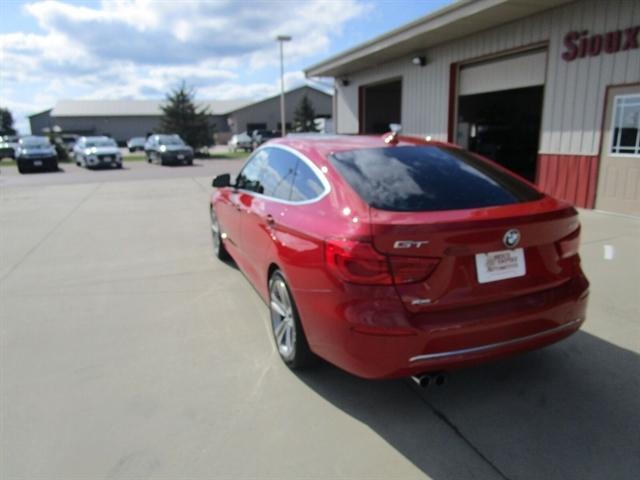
[626, 125]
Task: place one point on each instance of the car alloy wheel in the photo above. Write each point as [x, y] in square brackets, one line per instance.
[289, 336]
[216, 237]
[282, 321]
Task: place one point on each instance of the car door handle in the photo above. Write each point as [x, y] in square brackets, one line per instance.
[270, 220]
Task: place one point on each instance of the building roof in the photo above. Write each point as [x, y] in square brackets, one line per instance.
[312, 87]
[41, 112]
[460, 19]
[133, 108]
[150, 108]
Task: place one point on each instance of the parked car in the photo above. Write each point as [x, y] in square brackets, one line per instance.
[8, 146]
[240, 141]
[36, 153]
[400, 256]
[261, 136]
[100, 151]
[168, 150]
[136, 143]
[69, 141]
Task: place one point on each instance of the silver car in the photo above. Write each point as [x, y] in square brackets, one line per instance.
[93, 152]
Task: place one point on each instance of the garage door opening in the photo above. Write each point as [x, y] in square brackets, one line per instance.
[380, 106]
[504, 126]
[500, 109]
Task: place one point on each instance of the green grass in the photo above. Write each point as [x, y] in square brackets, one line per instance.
[135, 158]
[227, 155]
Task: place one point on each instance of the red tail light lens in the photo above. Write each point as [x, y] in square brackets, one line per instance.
[569, 245]
[359, 262]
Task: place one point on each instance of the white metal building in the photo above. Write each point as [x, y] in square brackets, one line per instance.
[549, 88]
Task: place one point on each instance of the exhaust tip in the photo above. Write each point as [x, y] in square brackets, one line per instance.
[422, 380]
[441, 379]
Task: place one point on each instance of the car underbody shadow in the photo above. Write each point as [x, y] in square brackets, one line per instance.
[567, 411]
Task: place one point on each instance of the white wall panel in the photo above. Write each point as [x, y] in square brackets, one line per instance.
[513, 71]
[574, 91]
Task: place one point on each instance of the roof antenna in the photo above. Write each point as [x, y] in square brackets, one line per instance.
[392, 137]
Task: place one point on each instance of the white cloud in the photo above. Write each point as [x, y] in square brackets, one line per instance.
[141, 48]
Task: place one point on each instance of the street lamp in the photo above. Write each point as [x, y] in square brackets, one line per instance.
[282, 39]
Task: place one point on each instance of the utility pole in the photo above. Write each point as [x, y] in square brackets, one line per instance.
[281, 39]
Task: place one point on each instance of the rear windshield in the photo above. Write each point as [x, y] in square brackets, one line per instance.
[429, 178]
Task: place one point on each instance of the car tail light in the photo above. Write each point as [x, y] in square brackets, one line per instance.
[569, 245]
[358, 262]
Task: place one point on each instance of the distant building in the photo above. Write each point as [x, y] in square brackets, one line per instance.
[265, 114]
[124, 119]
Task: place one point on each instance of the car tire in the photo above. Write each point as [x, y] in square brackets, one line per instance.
[22, 169]
[290, 339]
[219, 249]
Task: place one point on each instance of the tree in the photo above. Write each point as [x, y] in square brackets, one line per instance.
[182, 116]
[304, 116]
[6, 122]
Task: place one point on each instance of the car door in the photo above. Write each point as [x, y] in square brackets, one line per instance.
[266, 208]
[234, 202]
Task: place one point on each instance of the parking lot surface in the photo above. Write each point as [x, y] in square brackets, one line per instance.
[128, 351]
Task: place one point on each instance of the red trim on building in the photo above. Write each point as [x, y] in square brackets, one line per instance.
[570, 177]
[453, 96]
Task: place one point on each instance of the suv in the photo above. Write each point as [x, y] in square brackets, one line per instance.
[36, 153]
[97, 152]
[168, 150]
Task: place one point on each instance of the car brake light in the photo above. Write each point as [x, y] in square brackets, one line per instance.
[358, 262]
[568, 246]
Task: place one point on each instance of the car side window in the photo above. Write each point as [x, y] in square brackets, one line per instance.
[277, 176]
[250, 176]
[306, 184]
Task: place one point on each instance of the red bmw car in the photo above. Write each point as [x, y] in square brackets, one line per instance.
[394, 256]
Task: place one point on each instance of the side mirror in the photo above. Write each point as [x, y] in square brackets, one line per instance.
[221, 181]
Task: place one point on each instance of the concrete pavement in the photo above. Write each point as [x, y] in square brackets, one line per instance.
[128, 352]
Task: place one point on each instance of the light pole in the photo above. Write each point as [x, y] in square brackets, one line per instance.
[282, 39]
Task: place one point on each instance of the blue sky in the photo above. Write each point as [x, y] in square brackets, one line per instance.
[51, 50]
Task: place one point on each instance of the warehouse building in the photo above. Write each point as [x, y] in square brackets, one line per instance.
[550, 89]
[124, 119]
[265, 114]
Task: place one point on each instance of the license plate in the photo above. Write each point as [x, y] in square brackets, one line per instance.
[37, 163]
[107, 159]
[180, 157]
[494, 266]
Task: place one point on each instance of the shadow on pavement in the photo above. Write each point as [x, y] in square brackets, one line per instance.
[568, 411]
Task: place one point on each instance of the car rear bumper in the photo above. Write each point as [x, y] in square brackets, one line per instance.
[380, 339]
[174, 158]
[38, 163]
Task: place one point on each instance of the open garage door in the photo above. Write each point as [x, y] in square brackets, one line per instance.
[500, 110]
[380, 106]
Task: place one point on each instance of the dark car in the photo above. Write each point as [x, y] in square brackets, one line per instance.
[261, 136]
[136, 143]
[394, 257]
[168, 150]
[36, 153]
